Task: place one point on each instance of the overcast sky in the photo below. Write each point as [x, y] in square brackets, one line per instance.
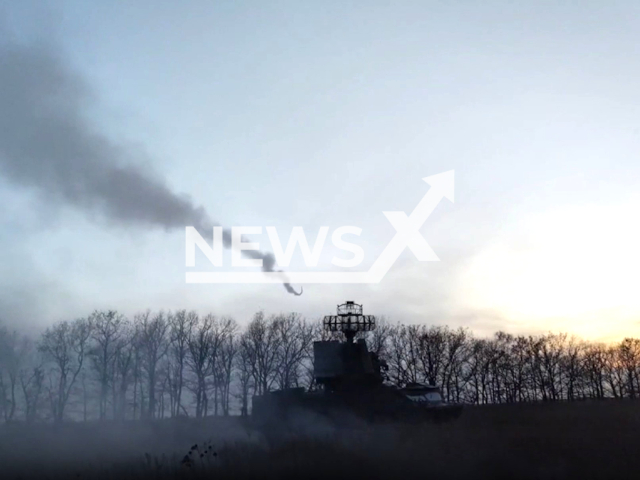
[324, 114]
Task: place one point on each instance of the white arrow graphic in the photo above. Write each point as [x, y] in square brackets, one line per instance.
[408, 228]
[407, 235]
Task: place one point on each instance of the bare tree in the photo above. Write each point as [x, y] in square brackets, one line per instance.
[261, 341]
[628, 353]
[181, 328]
[10, 360]
[65, 345]
[224, 366]
[123, 369]
[403, 355]
[573, 368]
[31, 376]
[244, 365]
[378, 340]
[203, 351]
[153, 342]
[293, 339]
[595, 365]
[432, 352]
[453, 377]
[106, 335]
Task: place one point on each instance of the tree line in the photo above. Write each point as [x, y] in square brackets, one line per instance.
[169, 364]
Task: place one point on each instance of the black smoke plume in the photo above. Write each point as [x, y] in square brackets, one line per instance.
[46, 142]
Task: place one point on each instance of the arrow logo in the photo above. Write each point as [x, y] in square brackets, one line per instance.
[407, 235]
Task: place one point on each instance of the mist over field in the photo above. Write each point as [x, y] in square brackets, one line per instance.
[587, 440]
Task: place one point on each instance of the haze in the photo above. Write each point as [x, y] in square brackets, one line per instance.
[329, 114]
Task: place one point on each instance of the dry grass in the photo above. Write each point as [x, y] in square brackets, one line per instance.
[544, 441]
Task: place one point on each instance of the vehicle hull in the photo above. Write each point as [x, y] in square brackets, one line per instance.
[382, 405]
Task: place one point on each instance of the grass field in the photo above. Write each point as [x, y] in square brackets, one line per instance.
[538, 441]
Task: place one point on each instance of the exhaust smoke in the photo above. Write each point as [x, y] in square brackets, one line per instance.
[47, 143]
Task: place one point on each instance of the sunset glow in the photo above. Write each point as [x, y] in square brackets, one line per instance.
[574, 268]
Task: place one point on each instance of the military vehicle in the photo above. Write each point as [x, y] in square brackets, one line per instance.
[351, 384]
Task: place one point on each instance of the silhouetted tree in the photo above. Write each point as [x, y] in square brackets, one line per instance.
[65, 345]
[153, 342]
[10, 361]
[106, 334]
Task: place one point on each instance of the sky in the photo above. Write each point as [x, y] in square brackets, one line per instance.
[319, 114]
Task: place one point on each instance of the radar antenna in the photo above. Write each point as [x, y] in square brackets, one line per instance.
[349, 320]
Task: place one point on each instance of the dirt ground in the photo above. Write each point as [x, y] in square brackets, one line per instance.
[585, 440]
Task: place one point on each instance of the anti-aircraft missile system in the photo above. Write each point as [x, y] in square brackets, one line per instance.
[351, 384]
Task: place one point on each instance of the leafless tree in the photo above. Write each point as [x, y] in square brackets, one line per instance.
[106, 334]
[153, 342]
[123, 369]
[204, 352]
[262, 342]
[65, 344]
[31, 376]
[181, 324]
[595, 365]
[294, 337]
[244, 368]
[225, 364]
[403, 354]
[10, 360]
[628, 354]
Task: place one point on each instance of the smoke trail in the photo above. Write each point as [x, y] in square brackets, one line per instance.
[48, 144]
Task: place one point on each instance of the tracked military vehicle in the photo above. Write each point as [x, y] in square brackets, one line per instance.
[351, 384]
